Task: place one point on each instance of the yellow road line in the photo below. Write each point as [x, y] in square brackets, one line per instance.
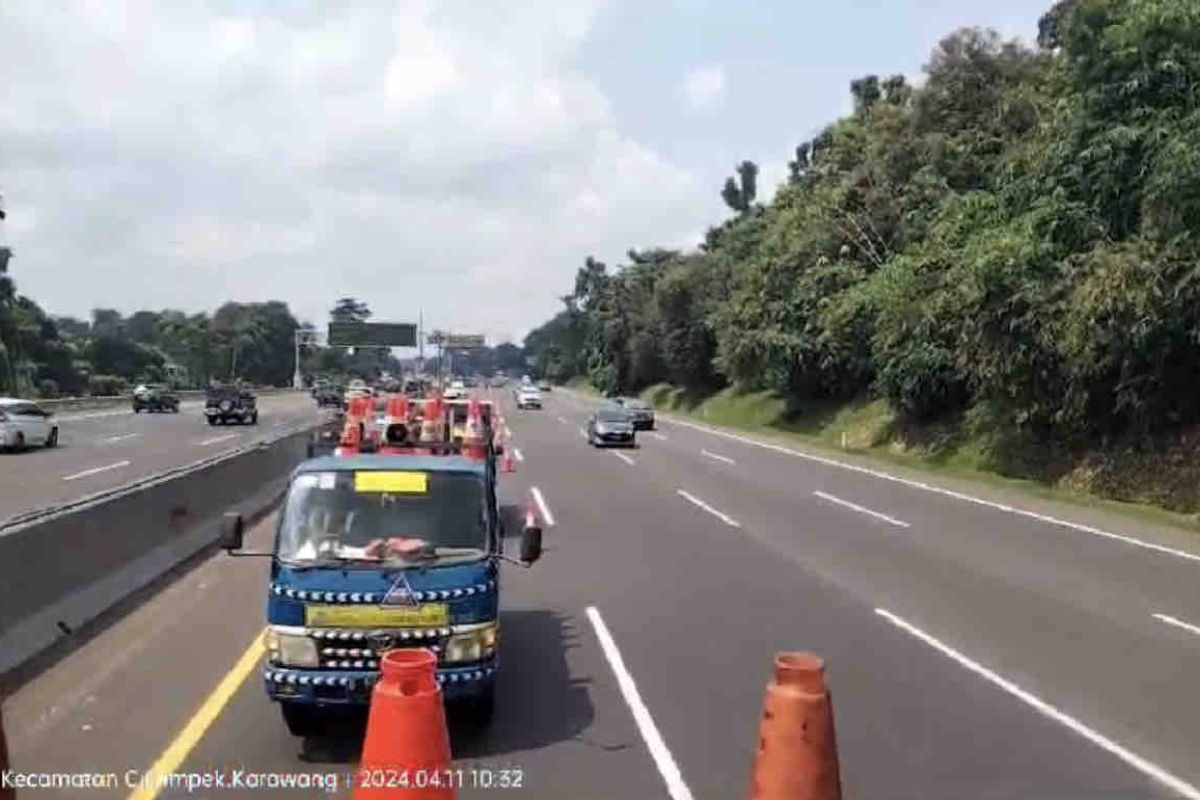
[187, 739]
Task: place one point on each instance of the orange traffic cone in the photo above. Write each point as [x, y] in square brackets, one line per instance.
[407, 740]
[351, 440]
[797, 750]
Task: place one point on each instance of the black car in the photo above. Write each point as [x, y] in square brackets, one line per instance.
[226, 404]
[611, 425]
[330, 396]
[641, 412]
[154, 398]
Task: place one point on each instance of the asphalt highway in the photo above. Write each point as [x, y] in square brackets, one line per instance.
[104, 448]
[977, 645]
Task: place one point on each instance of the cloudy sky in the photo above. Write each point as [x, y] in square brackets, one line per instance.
[456, 156]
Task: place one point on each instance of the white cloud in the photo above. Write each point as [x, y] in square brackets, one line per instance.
[705, 86]
[437, 154]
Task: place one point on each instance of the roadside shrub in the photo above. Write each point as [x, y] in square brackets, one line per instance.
[105, 385]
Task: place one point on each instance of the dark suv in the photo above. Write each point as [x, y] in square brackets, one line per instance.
[225, 404]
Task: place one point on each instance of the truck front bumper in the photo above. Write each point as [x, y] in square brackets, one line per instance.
[353, 687]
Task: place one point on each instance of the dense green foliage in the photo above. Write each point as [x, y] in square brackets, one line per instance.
[66, 356]
[1021, 232]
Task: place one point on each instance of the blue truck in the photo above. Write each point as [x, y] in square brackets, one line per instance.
[375, 552]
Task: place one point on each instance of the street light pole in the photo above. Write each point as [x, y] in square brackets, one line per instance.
[297, 378]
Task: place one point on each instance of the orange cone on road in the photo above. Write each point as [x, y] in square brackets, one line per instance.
[406, 732]
[797, 750]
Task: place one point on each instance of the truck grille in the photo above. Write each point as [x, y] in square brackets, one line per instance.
[358, 649]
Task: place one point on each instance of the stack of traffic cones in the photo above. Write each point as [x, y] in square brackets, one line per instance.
[797, 750]
[406, 733]
[474, 444]
[351, 441]
[432, 424]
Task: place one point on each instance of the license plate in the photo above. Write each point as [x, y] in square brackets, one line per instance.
[430, 615]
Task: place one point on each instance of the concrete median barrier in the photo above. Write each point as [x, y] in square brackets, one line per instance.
[61, 570]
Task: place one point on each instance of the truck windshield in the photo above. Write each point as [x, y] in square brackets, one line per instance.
[344, 516]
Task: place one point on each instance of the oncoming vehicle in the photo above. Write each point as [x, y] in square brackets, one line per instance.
[376, 552]
[155, 397]
[25, 424]
[226, 404]
[641, 412]
[455, 390]
[328, 396]
[528, 397]
[544, 386]
[611, 425]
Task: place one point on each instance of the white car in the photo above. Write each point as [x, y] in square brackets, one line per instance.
[23, 424]
[528, 397]
[455, 391]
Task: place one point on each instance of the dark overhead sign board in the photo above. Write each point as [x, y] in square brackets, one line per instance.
[372, 334]
[458, 341]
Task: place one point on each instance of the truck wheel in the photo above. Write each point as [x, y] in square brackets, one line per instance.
[212, 421]
[301, 720]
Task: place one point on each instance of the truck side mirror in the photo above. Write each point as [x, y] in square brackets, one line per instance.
[233, 531]
[531, 544]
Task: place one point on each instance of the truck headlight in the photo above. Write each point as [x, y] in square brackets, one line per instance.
[292, 649]
[475, 643]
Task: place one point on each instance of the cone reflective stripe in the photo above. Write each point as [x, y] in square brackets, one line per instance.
[406, 732]
[797, 749]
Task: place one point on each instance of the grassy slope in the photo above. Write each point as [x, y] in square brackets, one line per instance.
[1161, 484]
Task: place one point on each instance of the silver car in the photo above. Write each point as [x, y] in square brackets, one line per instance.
[608, 426]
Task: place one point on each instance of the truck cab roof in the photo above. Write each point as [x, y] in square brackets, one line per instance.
[449, 463]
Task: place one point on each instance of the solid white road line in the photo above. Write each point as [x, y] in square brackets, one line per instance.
[874, 473]
[583, 433]
[518, 455]
[696, 501]
[715, 457]
[95, 470]
[623, 457]
[216, 439]
[547, 517]
[121, 438]
[1178, 623]
[1142, 765]
[676, 788]
[563, 420]
[658, 436]
[846, 503]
